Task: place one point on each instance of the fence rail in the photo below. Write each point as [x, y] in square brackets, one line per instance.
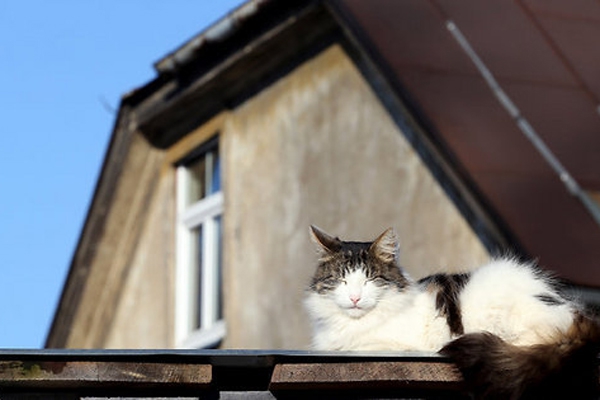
[72, 374]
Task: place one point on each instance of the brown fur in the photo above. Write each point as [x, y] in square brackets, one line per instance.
[379, 259]
[564, 368]
[447, 289]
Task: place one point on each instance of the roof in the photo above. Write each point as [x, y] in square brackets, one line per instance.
[507, 92]
[542, 55]
[501, 98]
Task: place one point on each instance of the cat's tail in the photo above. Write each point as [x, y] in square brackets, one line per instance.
[564, 368]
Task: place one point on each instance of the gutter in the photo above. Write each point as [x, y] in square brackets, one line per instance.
[217, 32]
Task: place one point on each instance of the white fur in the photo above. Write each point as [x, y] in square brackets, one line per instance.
[499, 298]
[385, 319]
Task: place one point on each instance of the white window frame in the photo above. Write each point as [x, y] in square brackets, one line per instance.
[189, 217]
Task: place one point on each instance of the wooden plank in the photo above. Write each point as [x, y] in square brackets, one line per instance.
[364, 375]
[40, 396]
[64, 375]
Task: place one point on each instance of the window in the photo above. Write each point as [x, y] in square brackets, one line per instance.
[199, 305]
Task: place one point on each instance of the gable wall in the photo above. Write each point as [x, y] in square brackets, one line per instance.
[144, 317]
[145, 313]
[318, 148]
[126, 267]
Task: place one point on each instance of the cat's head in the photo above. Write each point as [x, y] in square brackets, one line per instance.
[356, 275]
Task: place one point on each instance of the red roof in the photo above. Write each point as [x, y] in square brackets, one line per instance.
[545, 56]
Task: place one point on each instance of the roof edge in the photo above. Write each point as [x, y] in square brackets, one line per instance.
[217, 32]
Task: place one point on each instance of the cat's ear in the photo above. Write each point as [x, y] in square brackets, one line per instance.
[326, 242]
[386, 247]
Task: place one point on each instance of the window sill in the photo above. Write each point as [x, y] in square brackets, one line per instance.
[205, 338]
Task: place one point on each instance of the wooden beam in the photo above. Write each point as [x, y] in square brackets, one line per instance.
[94, 377]
[364, 375]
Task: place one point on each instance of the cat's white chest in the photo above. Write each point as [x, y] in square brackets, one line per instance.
[398, 321]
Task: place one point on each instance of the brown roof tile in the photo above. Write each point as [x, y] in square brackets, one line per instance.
[577, 42]
[568, 123]
[556, 228]
[507, 41]
[472, 123]
[410, 33]
[583, 9]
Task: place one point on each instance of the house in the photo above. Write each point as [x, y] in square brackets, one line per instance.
[470, 127]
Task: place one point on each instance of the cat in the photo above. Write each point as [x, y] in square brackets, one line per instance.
[508, 325]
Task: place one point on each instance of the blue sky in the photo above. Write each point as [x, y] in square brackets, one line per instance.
[64, 66]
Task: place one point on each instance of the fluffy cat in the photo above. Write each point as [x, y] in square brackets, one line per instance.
[507, 325]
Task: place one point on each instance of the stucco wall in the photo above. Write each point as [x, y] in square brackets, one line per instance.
[126, 300]
[145, 311]
[317, 147]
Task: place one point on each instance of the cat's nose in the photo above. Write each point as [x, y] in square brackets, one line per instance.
[354, 298]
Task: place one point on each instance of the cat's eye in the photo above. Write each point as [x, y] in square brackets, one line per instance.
[378, 280]
[328, 283]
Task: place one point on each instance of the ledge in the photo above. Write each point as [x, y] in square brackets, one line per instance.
[267, 374]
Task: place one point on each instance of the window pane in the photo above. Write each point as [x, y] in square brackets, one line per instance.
[204, 175]
[197, 260]
[197, 180]
[215, 179]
